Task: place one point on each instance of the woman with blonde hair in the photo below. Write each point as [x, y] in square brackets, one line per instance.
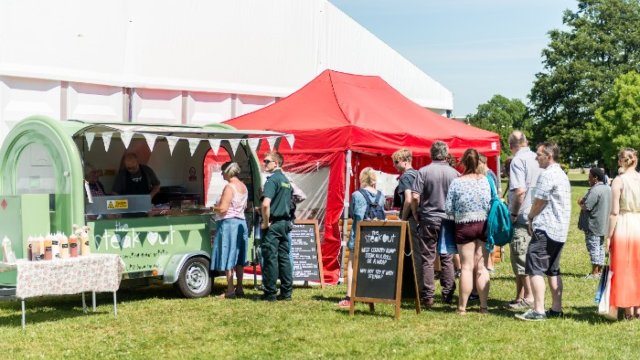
[231, 241]
[624, 235]
[359, 201]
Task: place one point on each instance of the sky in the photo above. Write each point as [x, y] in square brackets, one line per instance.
[474, 48]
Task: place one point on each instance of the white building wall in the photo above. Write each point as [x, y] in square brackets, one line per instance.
[188, 61]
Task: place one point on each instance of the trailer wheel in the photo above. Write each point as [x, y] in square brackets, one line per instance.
[194, 280]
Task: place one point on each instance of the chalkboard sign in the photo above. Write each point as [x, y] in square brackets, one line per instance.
[378, 263]
[305, 250]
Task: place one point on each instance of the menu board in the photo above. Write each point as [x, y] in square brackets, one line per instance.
[305, 251]
[378, 257]
[378, 263]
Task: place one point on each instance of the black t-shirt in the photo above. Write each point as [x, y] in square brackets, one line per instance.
[404, 183]
[140, 183]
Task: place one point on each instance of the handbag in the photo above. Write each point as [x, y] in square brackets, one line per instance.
[446, 239]
[604, 288]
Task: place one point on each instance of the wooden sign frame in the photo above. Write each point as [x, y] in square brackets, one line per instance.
[405, 231]
[318, 247]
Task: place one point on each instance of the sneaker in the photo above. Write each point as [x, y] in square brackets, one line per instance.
[554, 314]
[457, 274]
[344, 304]
[473, 297]
[283, 298]
[519, 305]
[266, 297]
[448, 298]
[426, 303]
[531, 315]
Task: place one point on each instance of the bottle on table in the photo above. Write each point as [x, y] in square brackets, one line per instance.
[64, 246]
[73, 245]
[48, 242]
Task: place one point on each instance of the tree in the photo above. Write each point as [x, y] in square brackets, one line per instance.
[502, 116]
[617, 120]
[580, 64]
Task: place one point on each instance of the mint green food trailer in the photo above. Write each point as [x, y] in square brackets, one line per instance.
[43, 163]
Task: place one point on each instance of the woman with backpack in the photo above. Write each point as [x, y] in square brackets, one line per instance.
[366, 204]
[468, 203]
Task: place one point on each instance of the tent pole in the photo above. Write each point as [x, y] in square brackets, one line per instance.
[345, 209]
[498, 168]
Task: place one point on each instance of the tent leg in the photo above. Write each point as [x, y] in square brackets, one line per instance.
[345, 210]
[498, 168]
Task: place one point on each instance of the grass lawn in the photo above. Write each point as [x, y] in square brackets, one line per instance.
[156, 323]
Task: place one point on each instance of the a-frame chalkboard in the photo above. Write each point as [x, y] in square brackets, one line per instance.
[378, 264]
[305, 251]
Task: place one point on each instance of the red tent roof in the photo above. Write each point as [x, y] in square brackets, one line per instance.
[364, 114]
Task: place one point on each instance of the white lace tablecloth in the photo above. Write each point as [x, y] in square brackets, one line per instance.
[90, 273]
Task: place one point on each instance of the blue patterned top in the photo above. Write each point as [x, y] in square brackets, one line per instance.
[468, 200]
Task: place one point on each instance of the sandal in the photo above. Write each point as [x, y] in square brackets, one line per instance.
[629, 317]
[239, 294]
[484, 310]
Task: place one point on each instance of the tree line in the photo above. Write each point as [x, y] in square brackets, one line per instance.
[587, 97]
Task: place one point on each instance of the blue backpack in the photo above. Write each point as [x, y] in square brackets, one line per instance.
[374, 210]
[499, 229]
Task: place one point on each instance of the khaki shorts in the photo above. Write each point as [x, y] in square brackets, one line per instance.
[518, 249]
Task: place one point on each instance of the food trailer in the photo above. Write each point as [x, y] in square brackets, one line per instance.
[43, 164]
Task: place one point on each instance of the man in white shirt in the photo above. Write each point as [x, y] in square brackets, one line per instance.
[549, 225]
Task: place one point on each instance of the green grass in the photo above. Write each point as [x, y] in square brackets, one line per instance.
[155, 323]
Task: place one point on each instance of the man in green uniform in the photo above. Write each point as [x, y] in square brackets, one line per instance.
[276, 225]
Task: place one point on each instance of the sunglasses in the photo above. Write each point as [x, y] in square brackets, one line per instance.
[267, 161]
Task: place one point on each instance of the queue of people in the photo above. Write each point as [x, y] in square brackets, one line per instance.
[538, 196]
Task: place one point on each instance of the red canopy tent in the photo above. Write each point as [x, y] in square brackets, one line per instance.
[346, 122]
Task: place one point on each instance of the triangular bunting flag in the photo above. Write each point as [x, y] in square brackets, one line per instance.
[151, 140]
[193, 145]
[215, 145]
[126, 138]
[290, 139]
[89, 136]
[272, 141]
[106, 139]
[234, 145]
[172, 141]
[254, 143]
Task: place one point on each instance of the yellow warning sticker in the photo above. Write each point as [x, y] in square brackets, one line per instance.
[117, 204]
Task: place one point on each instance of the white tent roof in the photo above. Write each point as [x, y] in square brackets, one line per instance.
[256, 47]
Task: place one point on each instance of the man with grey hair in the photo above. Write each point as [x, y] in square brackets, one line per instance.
[429, 193]
[523, 174]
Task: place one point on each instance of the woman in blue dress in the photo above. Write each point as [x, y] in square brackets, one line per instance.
[230, 245]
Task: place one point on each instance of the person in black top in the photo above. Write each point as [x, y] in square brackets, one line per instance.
[276, 226]
[402, 159]
[135, 178]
